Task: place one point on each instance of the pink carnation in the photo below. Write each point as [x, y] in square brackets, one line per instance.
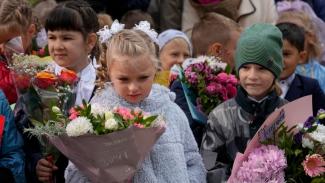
[124, 112]
[314, 165]
[73, 114]
[266, 163]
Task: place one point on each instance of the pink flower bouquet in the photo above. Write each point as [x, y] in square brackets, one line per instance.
[285, 150]
[206, 84]
[107, 144]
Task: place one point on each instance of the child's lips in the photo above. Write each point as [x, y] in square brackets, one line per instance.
[134, 95]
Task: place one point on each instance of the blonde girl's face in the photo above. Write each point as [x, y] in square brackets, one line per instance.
[174, 52]
[132, 77]
[69, 49]
[256, 80]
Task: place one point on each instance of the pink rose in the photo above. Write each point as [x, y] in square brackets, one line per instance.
[222, 77]
[232, 79]
[213, 88]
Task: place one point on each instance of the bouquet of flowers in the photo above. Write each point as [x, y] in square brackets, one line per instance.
[206, 84]
[24, 68]
[122, 136]
[284, 152]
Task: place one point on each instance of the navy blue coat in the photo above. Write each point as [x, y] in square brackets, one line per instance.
[180, 100]
[302, 86]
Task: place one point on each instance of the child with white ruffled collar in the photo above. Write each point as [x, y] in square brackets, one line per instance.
[129, 63]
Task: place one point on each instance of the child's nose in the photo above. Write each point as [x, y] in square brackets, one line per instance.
[133, 87]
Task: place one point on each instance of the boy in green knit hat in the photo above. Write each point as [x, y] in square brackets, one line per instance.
[258, 62]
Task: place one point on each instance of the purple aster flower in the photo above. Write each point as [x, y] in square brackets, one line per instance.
[309, 122]
[298, 137]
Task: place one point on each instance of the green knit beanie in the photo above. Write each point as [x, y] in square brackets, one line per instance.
[260, 44]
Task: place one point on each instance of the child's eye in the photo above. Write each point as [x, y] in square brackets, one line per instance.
[244, 67]
[144, 77]
[67, 38]
[123, 79]
[286, 54]
[261, 68]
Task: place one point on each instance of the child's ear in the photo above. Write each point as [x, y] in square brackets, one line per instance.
[303, 57]
[91, 41]
[215, 49]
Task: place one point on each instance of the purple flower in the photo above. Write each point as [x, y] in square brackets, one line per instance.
[191, 77]
[199, 67]
[266, 163]
[298, 137]
[309, 122]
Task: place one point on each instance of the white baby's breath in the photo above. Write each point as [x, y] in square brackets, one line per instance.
[307, 143]
[111, 124]
[319, 134]
[79, 126]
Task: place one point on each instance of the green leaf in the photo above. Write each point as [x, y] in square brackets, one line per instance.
[37, 123]
[311, 129]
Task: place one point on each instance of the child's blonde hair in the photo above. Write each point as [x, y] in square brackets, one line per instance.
[303, 20]
[15, 15]
[132, 43]
[212, 28]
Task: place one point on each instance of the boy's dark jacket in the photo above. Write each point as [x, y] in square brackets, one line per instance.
[302, 86]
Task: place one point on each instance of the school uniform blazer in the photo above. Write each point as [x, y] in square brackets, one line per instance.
[302, 86]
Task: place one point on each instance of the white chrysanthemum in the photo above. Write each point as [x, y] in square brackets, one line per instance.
[111, 124]
[79, 126]
[319, 134]
[109, 115]
[307, 143]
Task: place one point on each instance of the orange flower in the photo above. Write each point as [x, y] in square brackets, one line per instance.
[45, 79]
[68, 76]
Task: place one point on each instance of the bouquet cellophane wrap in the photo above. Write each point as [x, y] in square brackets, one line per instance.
[112, 157]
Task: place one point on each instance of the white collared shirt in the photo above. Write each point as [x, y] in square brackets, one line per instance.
[285, 85]
[86, 83]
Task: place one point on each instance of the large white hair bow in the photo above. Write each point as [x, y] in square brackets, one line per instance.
[145, 27]
[106, 33]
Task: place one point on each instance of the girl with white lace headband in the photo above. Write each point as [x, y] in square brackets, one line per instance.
[131, 64]
[106, 33]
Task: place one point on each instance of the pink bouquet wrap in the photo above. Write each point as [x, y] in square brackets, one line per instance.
[290, 114]
[114, 156]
